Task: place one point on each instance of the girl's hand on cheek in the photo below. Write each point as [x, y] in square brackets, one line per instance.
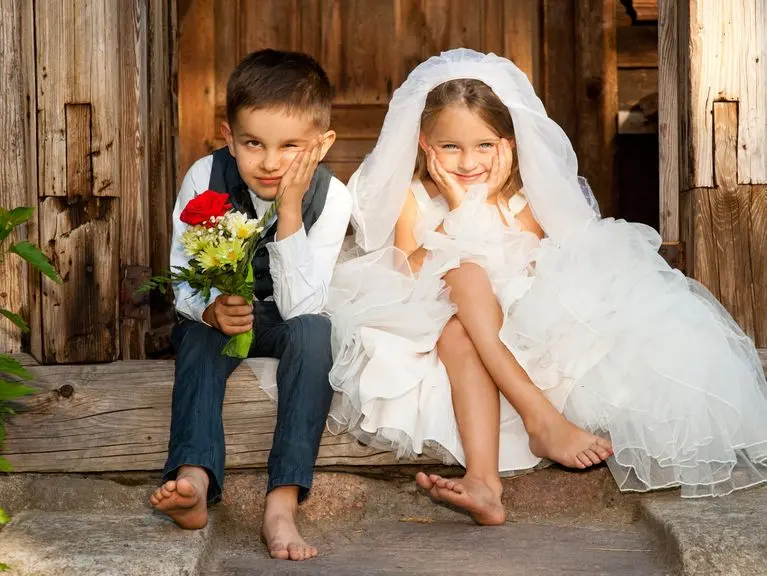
[500, 170]
[448, 186]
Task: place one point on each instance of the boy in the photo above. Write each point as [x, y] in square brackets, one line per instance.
[277, 130]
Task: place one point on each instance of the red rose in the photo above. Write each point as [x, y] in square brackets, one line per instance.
[200, 209]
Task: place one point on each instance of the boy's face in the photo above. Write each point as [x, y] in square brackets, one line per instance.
[264, 141]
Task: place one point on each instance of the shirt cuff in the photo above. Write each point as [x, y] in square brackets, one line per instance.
[193, 307]
[291, 252]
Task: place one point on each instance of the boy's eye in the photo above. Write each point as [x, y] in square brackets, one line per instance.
[252, 143]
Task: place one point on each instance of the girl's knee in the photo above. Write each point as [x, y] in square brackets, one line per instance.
[454, 339]
[468, 277]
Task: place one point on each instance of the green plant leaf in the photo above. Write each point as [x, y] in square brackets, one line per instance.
[19, 216]
[12, 366]
[16, 319]
[4, 567]
[13, 390]
[5, 466]
[4, 518]
[35, 257]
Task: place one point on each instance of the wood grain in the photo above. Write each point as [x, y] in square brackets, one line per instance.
[668, 122]
[638, 46]
[134, 238]
[558, 64]
[117, 416]
[725, 46]
[14, 164]
[522, 36]
[596, 94]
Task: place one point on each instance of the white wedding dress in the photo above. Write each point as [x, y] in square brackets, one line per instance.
[620, 343]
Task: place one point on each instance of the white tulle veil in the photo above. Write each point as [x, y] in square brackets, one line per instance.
[560, 200]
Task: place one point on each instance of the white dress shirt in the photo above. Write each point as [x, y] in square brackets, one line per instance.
[301, 265]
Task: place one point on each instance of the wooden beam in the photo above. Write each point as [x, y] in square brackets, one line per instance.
[637, 46]
[558, 66]
[116, 417]
[134, 173]
[15, 164]
[668, 122]
[596, 95]
[522, 36]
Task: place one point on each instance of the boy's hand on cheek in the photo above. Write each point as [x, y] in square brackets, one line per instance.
[229, 314]
[296, 180]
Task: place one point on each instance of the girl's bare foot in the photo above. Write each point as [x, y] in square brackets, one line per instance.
[558, 439]
[185, 498]
[477, 497]
[279, 531]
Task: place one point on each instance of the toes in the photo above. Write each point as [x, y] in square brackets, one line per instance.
[604, 443]
[165, 492]
[603, 453]
[279, 552]
[434, 478]
[424, 481]
[582, 461]
[591, 455]
[441, 482]
[296, 552]
[185, 487]
[312, 552]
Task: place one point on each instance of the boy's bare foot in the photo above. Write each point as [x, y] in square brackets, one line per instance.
[558, 439]
[477, 497]
[279, 531]
[185, 498]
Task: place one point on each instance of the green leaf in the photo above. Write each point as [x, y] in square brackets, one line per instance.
[13, 390]
[19, 215]
[35, 257]
[4, 567]
[16, 319]
[5, 466]
[4, 518]
[12, 366]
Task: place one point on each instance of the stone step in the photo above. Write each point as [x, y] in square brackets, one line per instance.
[418, 549]
[43, 543]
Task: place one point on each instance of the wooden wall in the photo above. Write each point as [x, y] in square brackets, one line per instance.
[367, 48]
[91, 90]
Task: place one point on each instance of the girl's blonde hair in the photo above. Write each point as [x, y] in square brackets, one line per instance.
[479, 98]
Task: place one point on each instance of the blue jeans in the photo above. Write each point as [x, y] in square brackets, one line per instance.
[302, 345]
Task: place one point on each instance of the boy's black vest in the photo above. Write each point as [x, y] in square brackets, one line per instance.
[226, 178]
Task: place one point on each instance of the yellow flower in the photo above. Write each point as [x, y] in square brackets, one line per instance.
[225, 252]
[194, 240]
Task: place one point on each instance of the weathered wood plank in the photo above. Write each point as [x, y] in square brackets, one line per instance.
[117, 417]
[758, 246]
[134, 168]
[522, 36]
[726, 48]
[161, 149]
[14, 165]
[637, 100]
[731, 207]
[646, 10]
[596, 94]
[558, 64]
[668, 122]
[196, 85]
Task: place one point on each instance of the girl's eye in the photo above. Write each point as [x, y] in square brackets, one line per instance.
[487, 145]
[289, 146]
[449, 147]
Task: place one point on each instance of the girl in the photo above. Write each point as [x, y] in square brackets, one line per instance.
[497, 321]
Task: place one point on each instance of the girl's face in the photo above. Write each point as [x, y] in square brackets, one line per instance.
[463, 143]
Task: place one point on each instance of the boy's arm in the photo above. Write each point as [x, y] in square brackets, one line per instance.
[302, 264]
[195, 182]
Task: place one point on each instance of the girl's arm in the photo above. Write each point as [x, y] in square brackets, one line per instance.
[528, 223]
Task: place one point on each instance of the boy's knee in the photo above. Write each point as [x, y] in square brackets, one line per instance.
[310, 331]
[454, 340]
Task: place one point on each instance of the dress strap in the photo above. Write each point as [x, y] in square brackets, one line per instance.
[421, 194]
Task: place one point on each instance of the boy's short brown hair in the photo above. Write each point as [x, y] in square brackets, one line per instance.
[277, 79]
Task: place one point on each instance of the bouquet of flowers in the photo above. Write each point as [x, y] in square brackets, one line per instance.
[220, 243]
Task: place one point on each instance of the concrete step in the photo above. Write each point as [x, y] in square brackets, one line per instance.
[418, 549]
[559, 523]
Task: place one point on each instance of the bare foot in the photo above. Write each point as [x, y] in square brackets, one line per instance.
[279, 531]
[477, 497]
[185, 498]
[560, 440]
